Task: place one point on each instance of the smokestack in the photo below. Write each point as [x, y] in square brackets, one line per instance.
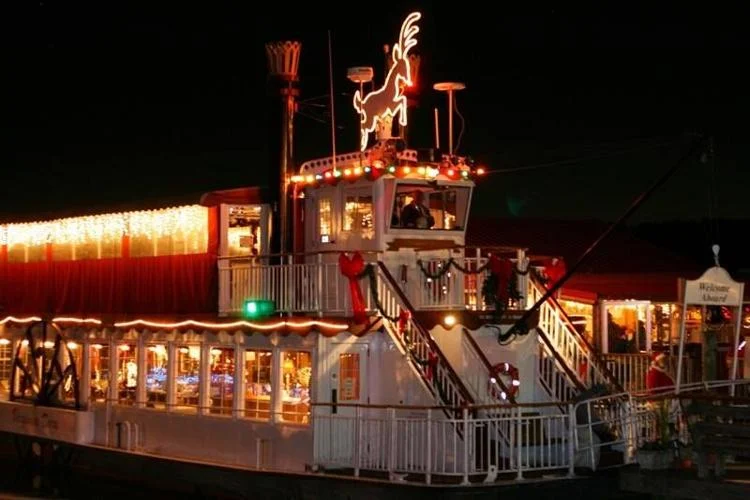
[283, 67]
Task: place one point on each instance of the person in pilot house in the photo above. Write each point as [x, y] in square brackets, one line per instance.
[415, 214]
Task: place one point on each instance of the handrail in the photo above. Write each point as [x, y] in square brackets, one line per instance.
[591, 353]
[487, 364]
[433, 407]
[561, 361]
[452, 375]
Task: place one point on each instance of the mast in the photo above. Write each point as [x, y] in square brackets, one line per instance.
[283, 67]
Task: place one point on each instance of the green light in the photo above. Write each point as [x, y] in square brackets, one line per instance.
[259, 308]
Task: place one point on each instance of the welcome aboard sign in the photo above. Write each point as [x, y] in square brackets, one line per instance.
[714, 288]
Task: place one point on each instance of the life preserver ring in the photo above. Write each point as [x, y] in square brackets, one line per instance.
[508, 371]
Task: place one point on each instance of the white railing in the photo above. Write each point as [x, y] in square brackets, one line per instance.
[582, 361]
[553, 377]
[315, 287]
[459, 287]
[627, 420]
[630, 369]
[423, 442]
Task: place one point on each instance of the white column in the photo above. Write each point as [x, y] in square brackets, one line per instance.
[84, 378]
[238, 395]
[113, 389]
[277, 386]
[140, 388]
[204, 396]
[171, 375]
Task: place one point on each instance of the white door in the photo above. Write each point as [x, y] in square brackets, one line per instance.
[336, 430]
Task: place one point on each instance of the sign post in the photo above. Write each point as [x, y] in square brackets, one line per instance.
[714, 288]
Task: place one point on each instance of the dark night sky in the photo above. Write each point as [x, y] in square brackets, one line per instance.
[118, 104]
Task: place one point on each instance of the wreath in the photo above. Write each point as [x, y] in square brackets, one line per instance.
[504, 370]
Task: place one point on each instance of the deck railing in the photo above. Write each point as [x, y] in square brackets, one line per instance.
[313, 284]
[420, 443]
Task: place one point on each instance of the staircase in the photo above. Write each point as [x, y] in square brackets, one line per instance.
[567, 360]
[435, 371]
[424, 355]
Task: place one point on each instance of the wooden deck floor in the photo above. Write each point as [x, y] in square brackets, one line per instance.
[679, 484]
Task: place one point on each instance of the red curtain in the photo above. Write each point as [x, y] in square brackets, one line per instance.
[175, 284]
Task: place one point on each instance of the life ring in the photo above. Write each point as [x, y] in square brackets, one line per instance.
[504, 370]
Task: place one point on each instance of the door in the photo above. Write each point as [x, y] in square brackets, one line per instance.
[336, 429]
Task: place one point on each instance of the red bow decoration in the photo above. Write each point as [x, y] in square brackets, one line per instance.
[430, 369]
[352, 268]
[403, 321]
[555, 270]
[503, 269]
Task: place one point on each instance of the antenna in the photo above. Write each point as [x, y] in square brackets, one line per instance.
[333, 113]
[450, 87]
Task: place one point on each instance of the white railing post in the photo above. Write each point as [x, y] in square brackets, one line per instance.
[358, 441]
[392, 454]
[466, 445]
[225, 298]
[428, 464]
[591, 436]
[571, 440]
[519, 444]
[320, 286]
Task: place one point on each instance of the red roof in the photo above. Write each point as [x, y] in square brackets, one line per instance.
[622, 267]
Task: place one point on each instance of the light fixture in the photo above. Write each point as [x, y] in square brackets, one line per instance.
[449, 320]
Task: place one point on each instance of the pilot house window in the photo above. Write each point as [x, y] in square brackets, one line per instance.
[325, 220]
[358, 215]
[425, 207]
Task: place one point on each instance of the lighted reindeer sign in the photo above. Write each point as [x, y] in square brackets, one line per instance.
[389, 99]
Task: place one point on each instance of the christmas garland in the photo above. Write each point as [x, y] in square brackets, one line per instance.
[497, 301]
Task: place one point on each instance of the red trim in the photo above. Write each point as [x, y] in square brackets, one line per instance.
[584, 296]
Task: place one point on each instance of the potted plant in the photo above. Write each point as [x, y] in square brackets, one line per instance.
[658, 453]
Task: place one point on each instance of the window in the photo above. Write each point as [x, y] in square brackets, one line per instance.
[71, 354]
[99, 385]
[187, 383]
[349, 377]
[156, 376]
[243, 232]
[258, 384]
[426, 207]
[127, 373]
[297, 372]
[222, 380]
[358, 215]
[325, 219]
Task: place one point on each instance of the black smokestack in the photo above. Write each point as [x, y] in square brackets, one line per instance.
[283, 67]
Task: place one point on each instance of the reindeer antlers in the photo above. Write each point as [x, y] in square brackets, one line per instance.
[406, 38]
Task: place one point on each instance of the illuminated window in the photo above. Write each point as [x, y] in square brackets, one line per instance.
[258, 384]
[222, 380]
[156, 376]
[6, 365]
[325, 218]
[67, 387]
[243, 232]
[187, 383]
[99, 385]
[127, 373]
[349, 377]
[297, 374]
[358, 214]
[424, 207]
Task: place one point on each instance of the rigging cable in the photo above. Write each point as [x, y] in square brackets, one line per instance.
[521, 326]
